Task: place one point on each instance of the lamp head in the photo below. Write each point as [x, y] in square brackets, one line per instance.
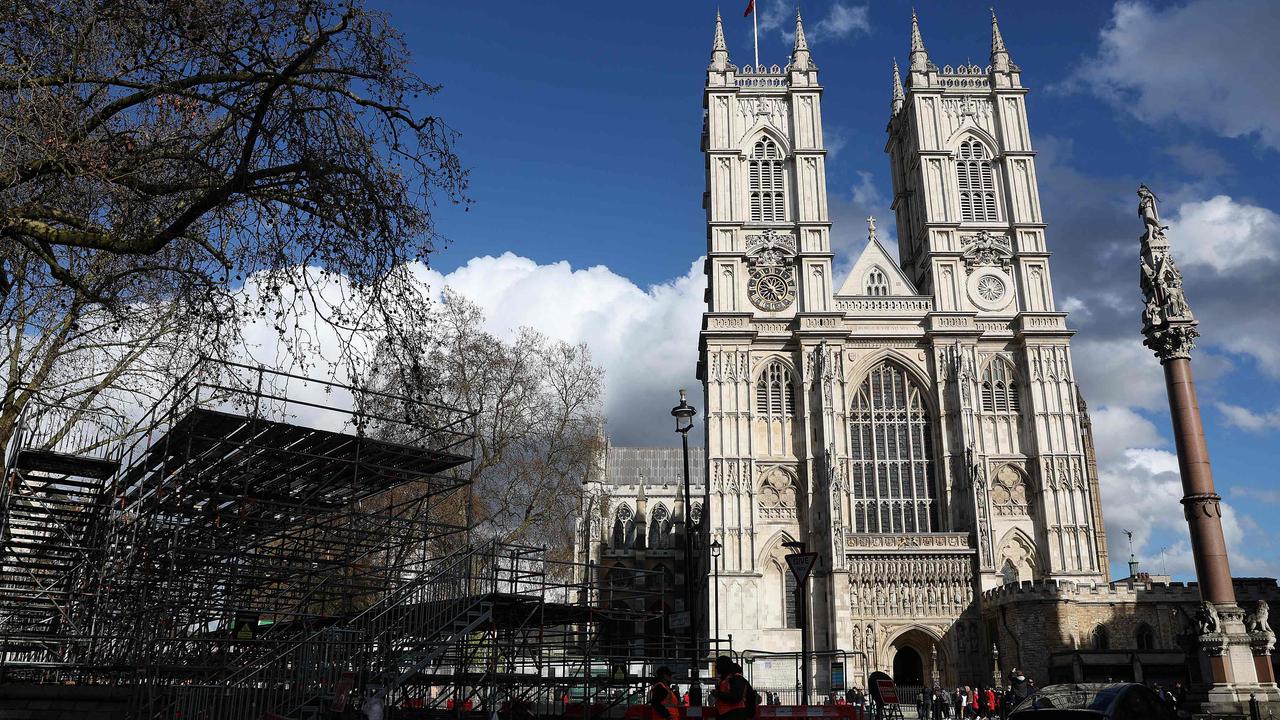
[683, 413]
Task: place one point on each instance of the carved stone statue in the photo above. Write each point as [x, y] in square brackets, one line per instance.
[1207, 618]
[1150, 213]
[1256, 621]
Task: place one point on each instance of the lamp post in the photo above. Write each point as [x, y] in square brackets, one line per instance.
[715, 556]
[683, 413]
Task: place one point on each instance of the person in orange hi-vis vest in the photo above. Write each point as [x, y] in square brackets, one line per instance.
[662, 698]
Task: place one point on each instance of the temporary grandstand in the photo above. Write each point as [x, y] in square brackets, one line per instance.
[264, 545]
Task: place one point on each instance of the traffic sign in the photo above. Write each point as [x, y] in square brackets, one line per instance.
[801, 565]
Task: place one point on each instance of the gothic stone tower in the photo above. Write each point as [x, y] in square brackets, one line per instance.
[919, 427]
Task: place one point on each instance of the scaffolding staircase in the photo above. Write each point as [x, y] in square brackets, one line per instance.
[49, 510]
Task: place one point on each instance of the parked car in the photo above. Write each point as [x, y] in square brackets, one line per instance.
[1118, 701]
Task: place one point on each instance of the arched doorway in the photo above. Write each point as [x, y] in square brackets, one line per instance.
[908, 667]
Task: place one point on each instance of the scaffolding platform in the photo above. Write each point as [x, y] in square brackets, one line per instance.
[261, 544]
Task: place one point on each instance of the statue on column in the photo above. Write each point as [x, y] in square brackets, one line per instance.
[1167, 321]
[1150, 213]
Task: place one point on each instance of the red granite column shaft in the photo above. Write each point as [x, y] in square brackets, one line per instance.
[1201, 504]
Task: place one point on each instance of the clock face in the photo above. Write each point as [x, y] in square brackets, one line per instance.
[772, 288]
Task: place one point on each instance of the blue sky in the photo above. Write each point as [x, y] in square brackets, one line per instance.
[580, 124]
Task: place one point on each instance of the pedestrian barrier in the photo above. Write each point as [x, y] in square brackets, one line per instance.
[831, 712]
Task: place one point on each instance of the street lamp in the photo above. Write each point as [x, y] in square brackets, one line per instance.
[683, 413]
[715, 555]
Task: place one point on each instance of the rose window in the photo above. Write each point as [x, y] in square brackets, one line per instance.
[990, 288]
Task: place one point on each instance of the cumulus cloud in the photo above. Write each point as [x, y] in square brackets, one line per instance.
[1142, 493]
[1246, 419]
[645, 338]
[1225, 235]
[1184, 63]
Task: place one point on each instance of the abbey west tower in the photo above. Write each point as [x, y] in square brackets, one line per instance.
[919, 425]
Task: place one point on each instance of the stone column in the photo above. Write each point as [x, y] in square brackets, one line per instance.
[1227, 652]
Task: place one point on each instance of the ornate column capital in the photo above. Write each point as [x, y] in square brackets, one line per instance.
[1168, 325]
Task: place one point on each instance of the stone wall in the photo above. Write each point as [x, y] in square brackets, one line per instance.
[1050, 629]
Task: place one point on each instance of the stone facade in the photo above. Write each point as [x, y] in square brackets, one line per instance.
[918, 425]
[1134, 629]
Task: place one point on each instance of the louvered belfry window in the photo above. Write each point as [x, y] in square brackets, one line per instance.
[774, 395]
[1000, 389]
[977, 183]
[768, 202]
[891, 454]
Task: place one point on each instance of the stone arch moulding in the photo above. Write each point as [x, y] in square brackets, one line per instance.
[1019, 548]
[758, 366]
[753, 135]
[976, 133]
[772, 545]
[858, 371]
[923, 639]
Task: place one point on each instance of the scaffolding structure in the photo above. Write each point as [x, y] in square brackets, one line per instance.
[266, 545]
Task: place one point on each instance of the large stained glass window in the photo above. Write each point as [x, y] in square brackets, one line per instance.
[891, 451]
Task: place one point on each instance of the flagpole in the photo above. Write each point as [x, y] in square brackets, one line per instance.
[755, 27]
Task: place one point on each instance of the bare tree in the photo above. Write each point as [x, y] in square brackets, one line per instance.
[170, 169]
[538, 423]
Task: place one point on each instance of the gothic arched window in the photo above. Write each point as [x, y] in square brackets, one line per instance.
[624, 529]
[891, 449]
[1000, 388]
[768, 202]
[774, 394]
[659, 528]
[789, 618]
[877, 282]
[977, 183]
[1145, 637]
[1101, 639]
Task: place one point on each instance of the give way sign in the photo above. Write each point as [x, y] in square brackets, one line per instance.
[801, 565]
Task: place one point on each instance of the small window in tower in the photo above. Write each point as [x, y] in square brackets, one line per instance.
[765, 182]
[1000, 389]
[976, 179]
[774, 394]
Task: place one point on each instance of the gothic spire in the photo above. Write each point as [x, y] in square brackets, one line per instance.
[719, 51]
[898, 97]
[999, 53]
[800, 58]
[919, 56]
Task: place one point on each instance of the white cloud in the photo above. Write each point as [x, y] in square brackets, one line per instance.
[1204, 64]
[1118, 429]
[645, 338]
[1246, 419]
[841, 21]
[1119, 372]
[1225, 235]
[1142, 493]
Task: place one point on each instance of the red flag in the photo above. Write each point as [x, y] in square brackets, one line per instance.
[751, 7]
